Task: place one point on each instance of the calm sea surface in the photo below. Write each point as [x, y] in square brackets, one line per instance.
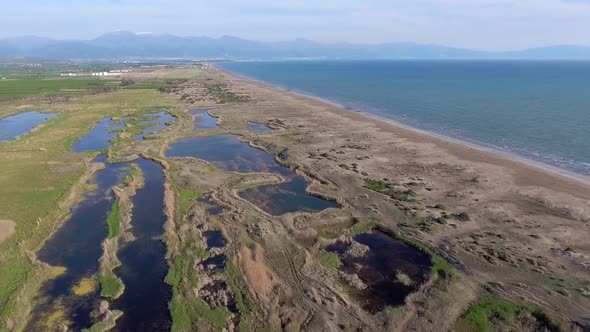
[537, 110]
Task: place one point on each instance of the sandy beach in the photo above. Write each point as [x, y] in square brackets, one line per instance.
[527, 170]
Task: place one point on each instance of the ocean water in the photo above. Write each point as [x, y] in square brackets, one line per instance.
[538, 110]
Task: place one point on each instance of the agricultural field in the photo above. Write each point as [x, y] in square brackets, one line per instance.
[11, 88]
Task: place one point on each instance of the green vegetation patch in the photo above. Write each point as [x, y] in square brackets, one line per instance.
[186, 309]
[114, 220]
[110, 285]
[187, 197]
[134, 177]
[330, 260]
[389, 189]
[222, 93]
[29, 87]
[499, 315]
[130, 84]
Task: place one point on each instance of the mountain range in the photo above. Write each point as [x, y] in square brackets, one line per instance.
[124, 44]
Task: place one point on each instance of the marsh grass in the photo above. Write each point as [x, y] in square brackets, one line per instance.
[389, 189]
[110, 285]
[494, 314]
[330, 260]
[32, 173]
[114, 220]
[187, 198]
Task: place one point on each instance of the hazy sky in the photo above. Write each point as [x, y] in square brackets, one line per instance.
[483, 24]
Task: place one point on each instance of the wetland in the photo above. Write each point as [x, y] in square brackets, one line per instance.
[218, 203]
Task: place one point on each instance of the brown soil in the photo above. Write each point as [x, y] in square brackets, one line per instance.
[6, 229]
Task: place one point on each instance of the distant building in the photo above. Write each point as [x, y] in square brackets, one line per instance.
[116, 72]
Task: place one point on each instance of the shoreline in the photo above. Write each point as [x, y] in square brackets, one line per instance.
[461, 149]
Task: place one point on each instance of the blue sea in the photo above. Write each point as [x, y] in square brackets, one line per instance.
[533, 109]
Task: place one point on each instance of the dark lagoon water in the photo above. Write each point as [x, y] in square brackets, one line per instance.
[214, 239]
[259, 128]
[98, 138]
[77, 247]
[145, 300]
[162, 119]
[215, 264]
[229, 154]
[20, 124]
[203, 120]
[534, 109]
[380, 268]
[212, 207]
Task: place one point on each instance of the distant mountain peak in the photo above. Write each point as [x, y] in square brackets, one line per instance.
[127, 44]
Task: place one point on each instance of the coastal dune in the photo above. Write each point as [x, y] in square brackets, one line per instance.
[514, 226]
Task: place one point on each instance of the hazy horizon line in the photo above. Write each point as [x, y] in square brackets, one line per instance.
[147, 33]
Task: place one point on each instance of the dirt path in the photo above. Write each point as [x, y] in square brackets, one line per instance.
[6, 229]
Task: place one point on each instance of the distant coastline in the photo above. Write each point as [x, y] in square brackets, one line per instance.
[494, 152]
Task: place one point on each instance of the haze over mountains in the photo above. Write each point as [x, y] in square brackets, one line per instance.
[123, 44]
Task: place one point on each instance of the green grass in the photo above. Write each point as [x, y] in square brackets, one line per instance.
[212, 167]
[389, 189]
[187, 197]
[146, 85]
[29, 87]
[496, 314]
[188, 312]
[110, 286]
[246, 305]
[114, 220]
[185, 317]
[135, 174]
[330, 260]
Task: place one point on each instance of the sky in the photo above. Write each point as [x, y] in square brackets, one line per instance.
[478, 24]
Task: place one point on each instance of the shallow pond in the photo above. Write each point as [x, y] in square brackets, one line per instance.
[145, 299]
[214, 264]
[391, 269]
[203, 120]
[214, 239]
[162, 119]
[259, 128]
[229, 154]
[20, 124]
[286, 197]
[212, 208]
[77, 247]
[98, 138]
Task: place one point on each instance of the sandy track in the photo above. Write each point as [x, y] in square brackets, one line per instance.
[6, 229]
